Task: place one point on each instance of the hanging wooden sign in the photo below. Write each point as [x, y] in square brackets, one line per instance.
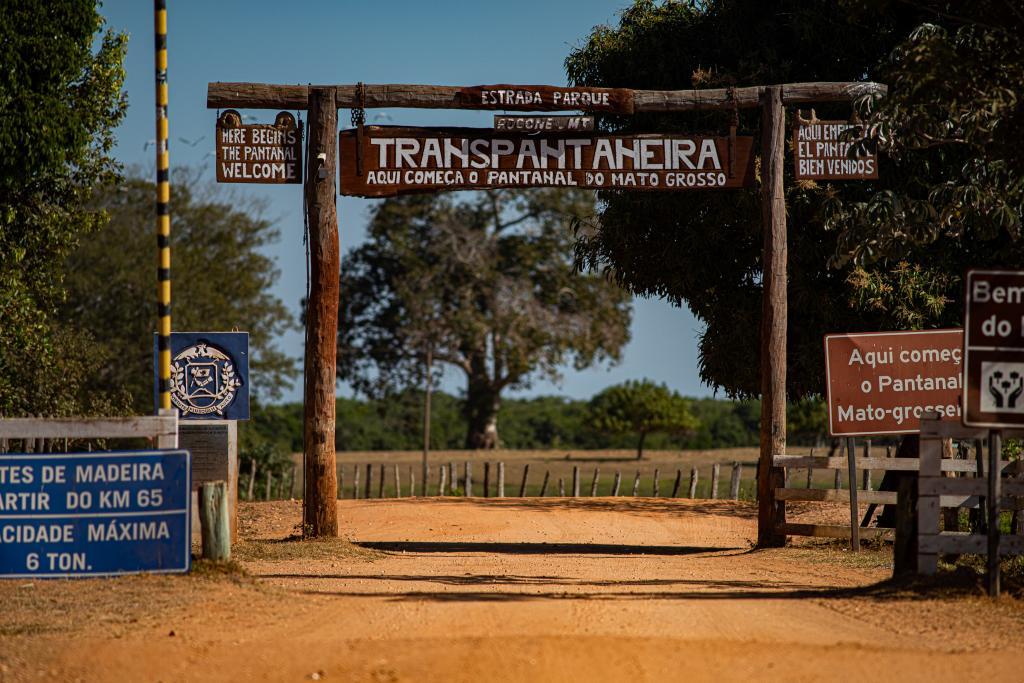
[261, 153]
[546, 98]
[820, 152]
[540, 124]
[398, 160]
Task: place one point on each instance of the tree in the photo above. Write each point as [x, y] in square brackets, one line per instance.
[61, 101]
[486, 284]
[704, 247]
[221, 282]
[640, 408]
[952, 122]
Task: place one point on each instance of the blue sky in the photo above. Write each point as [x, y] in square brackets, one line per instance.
[434, 41]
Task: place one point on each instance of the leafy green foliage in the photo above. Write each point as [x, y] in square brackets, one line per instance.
[484, 283]
[640, 408]
[952, 123]
[59, 103]
[703, 248]
[221, 281]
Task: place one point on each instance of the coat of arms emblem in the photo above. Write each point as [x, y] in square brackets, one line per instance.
[203, 380]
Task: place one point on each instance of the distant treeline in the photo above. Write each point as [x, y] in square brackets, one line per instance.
[546, 422]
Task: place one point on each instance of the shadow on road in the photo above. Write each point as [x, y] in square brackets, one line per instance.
[452, 547]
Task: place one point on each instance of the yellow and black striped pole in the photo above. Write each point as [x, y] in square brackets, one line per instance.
[163, 212]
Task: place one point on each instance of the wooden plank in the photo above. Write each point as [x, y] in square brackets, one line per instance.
[148, 426]
[974, 544]
[898, 464]
[831, 531]
[835, 495]
[222, 95]
[400, 160]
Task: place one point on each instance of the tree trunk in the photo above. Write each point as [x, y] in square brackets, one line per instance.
[640, 446]
[426, 420]
[482, 403]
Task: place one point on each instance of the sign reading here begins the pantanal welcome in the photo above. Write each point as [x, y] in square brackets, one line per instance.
[399, 160]
[821, 152]
[883, 382]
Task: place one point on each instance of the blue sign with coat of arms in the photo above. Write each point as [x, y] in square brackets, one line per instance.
[209, 375]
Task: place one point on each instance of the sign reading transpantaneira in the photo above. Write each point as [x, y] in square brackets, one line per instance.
[882, 382]
[821, 152]
[399, 160]
[994, 348]
[261, 153]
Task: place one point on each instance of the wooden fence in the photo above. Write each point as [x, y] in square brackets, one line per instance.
[50, 434]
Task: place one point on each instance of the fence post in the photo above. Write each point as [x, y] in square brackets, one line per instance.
[214, 522]
[355, 481]
[442, 480]
[904, 547]
[928, 505]
[995, 499]
[561, 487]
[593, 483]
[270, 482]
[380, 484]
[369, 481]
[412, 483]
[398, 483]
[734, 481]
[715, 471]
[501, 479]
[851, 459]
[693, 482]
[291, 482]
[487, 478]
[839, 480]
[468, 468]
[679, 480]
[522, 487]
[453, 477]
[544, 486]
[575, 481]
[867, 472]
[656, 488]
[615, 486]
[810, 472]
[636, 484]
[252, 479]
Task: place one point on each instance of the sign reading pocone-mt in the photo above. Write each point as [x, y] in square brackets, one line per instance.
[882, 382]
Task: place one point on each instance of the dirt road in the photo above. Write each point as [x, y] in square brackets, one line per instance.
[510, 590]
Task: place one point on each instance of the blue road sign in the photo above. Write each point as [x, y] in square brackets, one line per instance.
[209, 375]
[95, 514]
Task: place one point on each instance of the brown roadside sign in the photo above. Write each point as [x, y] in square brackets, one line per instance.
[547, 98]
[820, 153]
[994, 348]
[261, 153]
[882, 382]
[397, 160]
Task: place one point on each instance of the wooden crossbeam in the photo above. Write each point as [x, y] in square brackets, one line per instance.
[831, 531]
[900, 464]
[149, 426]
[269, 96]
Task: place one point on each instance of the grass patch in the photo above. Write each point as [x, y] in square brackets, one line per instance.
[297, 548]
[874, 553]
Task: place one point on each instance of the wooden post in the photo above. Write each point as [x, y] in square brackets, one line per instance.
[693, 482]
[851, 459]
[734, 481]
[522, 487]
[380, 484]
[252, 480]
[810, 473]
[270, 482]
[442, 484]
[904, 547]
[412, 483]
[636, 484]
[469, 479]
[593, 482]
[487, 479]
[772, 513]
[995, 496]
[615, 485]
[561, 487]
[426, 418]
[453, 477]
[320, 503]
[544, 486]
[575, 481]
[369, 481]
[291, 482]
[501, 479]
[679, 480]
[867, 472]
[838, 480]
[398, 483]
[656, 488]
[715, 471]
[355, 481]
[214, 521]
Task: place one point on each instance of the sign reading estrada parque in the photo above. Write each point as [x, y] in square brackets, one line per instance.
[883, 382]
[401, 160]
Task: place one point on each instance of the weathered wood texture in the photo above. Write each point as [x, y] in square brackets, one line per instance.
[715, 471]
[214, 521]
[851, 454]
[221, 95]
[594, 482]
[320, 509]
[692, 493]
[501, 479]
[771, 514]
[900, 464]
[616, 483]
[155, 427]
[526, 474]
[831, 531]
[734, 481]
